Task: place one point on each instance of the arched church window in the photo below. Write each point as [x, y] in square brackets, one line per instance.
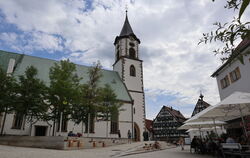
[131, 53]
[132, 70]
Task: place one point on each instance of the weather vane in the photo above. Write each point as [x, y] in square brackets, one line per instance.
[126, 8]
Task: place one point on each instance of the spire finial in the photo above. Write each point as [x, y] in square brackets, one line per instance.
[201, 96]
[126, 9]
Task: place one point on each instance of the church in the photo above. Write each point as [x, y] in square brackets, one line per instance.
[126, 80]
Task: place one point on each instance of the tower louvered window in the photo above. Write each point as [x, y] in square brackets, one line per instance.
[132, 70]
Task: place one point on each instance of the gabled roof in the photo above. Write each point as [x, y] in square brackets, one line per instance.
[43, 66]
[238, 50]
[175, 113]
[200, 105]
[126, 31]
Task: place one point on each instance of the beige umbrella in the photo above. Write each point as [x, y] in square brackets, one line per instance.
[200, 125]
[234, 106]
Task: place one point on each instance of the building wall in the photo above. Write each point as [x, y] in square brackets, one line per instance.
[125, 124]
[134, 84]
[243, 84]
[165, 126]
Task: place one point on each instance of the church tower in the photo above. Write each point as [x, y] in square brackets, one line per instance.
[129, 66]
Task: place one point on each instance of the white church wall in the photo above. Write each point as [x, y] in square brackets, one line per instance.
[133, 82]
[118, 67]
[139, 111]
[125, 113]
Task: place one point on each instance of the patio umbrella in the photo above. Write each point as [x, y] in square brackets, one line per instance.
[200, 125]
[237, 105]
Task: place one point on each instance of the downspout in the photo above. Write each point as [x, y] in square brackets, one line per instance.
[132, 115]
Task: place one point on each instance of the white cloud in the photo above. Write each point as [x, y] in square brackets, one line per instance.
[169, 31]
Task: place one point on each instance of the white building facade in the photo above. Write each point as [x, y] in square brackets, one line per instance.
[129, 66]
[235, 75]
[126, 80]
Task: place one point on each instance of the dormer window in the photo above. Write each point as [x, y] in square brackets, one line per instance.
[131, 53]
[132, 70]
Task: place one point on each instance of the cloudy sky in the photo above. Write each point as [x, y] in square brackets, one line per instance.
[176, 68]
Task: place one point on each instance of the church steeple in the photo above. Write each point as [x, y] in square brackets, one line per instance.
[129, 67]
[126, 29]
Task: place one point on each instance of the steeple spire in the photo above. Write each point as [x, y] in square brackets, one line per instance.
[126, 29]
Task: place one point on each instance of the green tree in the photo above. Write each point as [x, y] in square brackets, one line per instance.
[63, 91]
[31, 95]
[7, 95]
[230, 32]
[87, 107]
[109, 105]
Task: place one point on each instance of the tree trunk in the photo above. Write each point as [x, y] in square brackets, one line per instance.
[53, 130]
[4, 119]
[60, 123]
[31, 125]
[82, 127]
[24, 121]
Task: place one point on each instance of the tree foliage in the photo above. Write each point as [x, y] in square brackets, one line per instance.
[31, 95]
[63, 90]
[7, 91]
[88, 98]
[7, 94]
[230, 32]
[110, 106]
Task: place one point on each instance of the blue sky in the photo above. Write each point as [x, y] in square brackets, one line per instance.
[176, 69]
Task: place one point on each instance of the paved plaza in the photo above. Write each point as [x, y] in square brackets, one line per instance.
[108, 152]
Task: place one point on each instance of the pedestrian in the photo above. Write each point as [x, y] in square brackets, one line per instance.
[119, 133]
[129, 136]
[181, 143]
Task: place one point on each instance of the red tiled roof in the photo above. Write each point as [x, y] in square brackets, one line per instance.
[149, 125]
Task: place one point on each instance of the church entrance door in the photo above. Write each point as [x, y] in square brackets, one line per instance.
[40, 130]
[137, 132]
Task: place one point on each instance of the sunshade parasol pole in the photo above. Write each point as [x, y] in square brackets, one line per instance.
[200, 131]
[243, 121]
[215, 126]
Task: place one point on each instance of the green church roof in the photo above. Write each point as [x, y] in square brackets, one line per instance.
[43, 66]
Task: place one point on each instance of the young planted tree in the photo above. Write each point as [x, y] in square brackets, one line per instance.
[230, 32]
[7, 95]
[31, 93]
[87, 107]
[109, 106]
[63, 91]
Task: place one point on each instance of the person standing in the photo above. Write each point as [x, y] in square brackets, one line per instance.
[181, 143]
[129, 136]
